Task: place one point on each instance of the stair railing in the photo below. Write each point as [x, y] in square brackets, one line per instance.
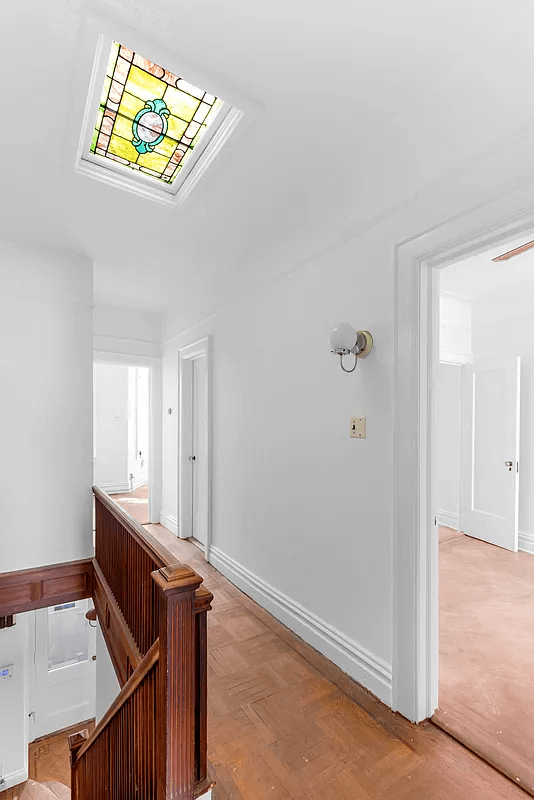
[152, 742]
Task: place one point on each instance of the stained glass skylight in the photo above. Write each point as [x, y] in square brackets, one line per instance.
[149, 119]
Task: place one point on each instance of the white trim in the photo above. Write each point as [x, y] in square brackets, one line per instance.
[186, 356]
[449, 519]
[415, 555]
[169, 522]
[13, 779]
[366, 668]
[155, 430]
[115, 488]
[126, 347]
[526, 542]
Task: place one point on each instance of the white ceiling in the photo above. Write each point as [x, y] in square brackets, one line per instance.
[362, 103]
[478, 275]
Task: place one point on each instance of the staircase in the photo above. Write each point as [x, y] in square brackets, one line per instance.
[151, 744]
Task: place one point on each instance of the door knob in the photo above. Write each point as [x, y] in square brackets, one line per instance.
[509, 464]
[192, 458]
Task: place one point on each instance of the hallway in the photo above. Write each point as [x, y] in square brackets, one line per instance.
[135, 503]
[286, 724]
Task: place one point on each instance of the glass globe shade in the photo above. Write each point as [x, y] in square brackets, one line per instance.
[343, 337]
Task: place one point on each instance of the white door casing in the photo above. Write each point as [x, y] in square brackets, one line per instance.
[63, 670]
[195, 496]
[199, 456]
[490, 475]
[415, 656]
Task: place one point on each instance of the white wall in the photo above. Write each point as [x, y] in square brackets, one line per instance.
[107, 685]
[302, 514]
[514, 336]
[111, 427]
[455, 328]
[14, 704]
[45, 406]
[449, 402]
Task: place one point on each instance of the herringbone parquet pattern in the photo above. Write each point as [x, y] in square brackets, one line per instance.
[286, 724]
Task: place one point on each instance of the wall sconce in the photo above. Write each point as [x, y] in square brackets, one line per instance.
[91, 617]
[345, 339]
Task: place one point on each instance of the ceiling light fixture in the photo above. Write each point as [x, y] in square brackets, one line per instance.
[345, 339]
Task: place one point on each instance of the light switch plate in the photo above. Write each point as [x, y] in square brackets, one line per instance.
[358, 427]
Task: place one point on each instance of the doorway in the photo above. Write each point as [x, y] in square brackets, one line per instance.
[416, 553]
[194, 474]
[482, 450]
[127, 433]
[62, 668]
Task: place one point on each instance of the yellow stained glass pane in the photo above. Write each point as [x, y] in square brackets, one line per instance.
[121, 147]
[181, 104]
[142, 84]
[176, 127]
[94, 139]
[130, 105]
[123, 127]
[153, 161]
[166, 147]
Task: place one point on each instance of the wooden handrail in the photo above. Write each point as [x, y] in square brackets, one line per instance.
[125, 693]
[149, 543]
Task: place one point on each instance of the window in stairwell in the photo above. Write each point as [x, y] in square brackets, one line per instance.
[149, 129]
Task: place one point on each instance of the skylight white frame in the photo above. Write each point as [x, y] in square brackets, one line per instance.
[96, 38]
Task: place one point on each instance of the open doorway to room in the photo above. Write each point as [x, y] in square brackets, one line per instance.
[482, 466]
[121, 451]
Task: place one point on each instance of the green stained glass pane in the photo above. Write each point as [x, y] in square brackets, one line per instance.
[149, 119]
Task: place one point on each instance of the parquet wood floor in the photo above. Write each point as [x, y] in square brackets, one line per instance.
[286, 724]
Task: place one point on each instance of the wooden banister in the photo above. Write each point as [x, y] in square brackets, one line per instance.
[144, 538]
[153, 614]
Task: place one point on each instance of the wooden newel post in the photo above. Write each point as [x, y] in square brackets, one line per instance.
[175, 705]
[76, 741]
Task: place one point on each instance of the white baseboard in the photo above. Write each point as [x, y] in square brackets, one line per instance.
[169, 522]
[13, 779]
[526, 542]
[115, 488]
[448, 519]
[138, 484]
[362, 665]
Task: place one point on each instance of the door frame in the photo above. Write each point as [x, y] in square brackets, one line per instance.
[154, 424]
[415, 659]
[186, 356]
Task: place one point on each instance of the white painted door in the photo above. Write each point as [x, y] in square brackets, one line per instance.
[199, 456]
[64, 677]
[490, 495]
